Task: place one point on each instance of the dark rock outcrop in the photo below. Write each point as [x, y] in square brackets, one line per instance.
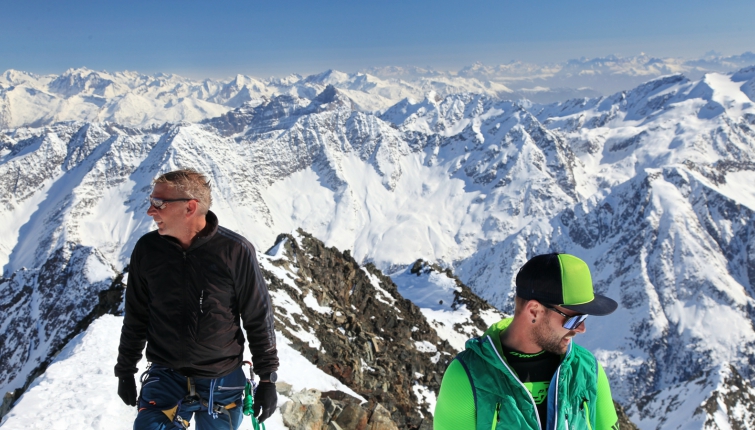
[369, 336]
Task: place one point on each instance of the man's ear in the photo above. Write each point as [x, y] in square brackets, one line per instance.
[533, 309]
[192, 207]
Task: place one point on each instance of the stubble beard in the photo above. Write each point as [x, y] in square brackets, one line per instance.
[550, 340]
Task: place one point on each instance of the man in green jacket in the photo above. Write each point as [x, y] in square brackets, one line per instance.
[525, 372]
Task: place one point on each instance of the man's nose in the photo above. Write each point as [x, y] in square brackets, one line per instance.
[582, 327]
[151, 210]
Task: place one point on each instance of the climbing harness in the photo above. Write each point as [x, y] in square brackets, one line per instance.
[249, 390]
[193, 397]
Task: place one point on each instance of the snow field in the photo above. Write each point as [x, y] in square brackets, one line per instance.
[78, 391]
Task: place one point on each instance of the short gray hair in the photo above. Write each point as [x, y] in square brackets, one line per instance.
[192, 184]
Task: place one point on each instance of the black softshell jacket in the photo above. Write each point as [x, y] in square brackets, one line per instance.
[187, 305]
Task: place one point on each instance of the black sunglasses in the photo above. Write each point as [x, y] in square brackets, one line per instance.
[572, 321]
[161, 203]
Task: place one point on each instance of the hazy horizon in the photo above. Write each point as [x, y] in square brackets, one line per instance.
[201, 40]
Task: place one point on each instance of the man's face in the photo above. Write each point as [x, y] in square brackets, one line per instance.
[549, 333]
[171, 219]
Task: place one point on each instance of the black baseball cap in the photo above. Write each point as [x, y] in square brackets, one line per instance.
[563, 280]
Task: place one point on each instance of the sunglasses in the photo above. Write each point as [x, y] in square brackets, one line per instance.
[161, 203]
[572, 321]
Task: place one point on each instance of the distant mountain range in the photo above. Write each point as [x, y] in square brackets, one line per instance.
[138, 100]
[652, 186]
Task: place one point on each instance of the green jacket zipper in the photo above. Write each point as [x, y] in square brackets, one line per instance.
[532, 399]
[587, 414]
[495, 416]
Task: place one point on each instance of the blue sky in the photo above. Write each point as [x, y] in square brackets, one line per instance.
[221, 38]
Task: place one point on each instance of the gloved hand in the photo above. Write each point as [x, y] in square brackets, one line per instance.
[266, 399]
[127, 390]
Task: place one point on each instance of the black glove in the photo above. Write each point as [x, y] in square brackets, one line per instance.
[127, 390]
[265, 398]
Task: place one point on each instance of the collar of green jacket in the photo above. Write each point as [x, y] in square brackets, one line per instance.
[494, 334]
[502, 400]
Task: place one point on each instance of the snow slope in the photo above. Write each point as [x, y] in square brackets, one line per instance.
[79, 391]
[651, 186]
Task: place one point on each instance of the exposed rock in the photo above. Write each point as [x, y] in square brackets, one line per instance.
[381, 419]
[308, 409]
[304, 411]
[283, 388]
[332, 408]
[8, 400]
[624, 422]
[352, 417]
[734, 399]
[463, 296]
[367, 334]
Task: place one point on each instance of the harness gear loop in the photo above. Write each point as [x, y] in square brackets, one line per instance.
[211, 410]
[221, 410]
[191, 387]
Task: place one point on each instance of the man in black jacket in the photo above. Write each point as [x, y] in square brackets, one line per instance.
[190, 283]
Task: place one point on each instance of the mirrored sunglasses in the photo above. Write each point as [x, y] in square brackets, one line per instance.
[572, 322]
[161, 203]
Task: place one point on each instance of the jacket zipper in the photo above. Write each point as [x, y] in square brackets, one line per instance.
[555, 400]
[586, 407]
[229, 388]
[496, 417]
[555, 391]
[532, 399]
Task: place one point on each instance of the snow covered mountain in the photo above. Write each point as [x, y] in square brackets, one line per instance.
[653, 187]
[137, 100]
[342, 329]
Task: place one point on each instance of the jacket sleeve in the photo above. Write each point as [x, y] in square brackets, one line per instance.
[135, 319]
[256, 311]
[455, 409]
[605, 411]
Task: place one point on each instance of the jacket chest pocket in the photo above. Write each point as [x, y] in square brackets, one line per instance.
[215, 316]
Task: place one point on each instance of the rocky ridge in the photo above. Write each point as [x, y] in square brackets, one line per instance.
[650, 186]
[352, 323]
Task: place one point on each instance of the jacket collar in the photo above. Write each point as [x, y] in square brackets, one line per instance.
[493, 334]
[204, 236]
[207, 233]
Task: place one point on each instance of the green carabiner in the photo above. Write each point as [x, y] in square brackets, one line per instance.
[248, 399]
[249, 406]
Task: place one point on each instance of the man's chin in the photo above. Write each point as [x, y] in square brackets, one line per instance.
[565, 343]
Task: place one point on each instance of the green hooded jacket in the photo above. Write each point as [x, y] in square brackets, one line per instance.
[480, 391]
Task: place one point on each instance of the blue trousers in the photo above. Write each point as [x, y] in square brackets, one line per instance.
[164, 389]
